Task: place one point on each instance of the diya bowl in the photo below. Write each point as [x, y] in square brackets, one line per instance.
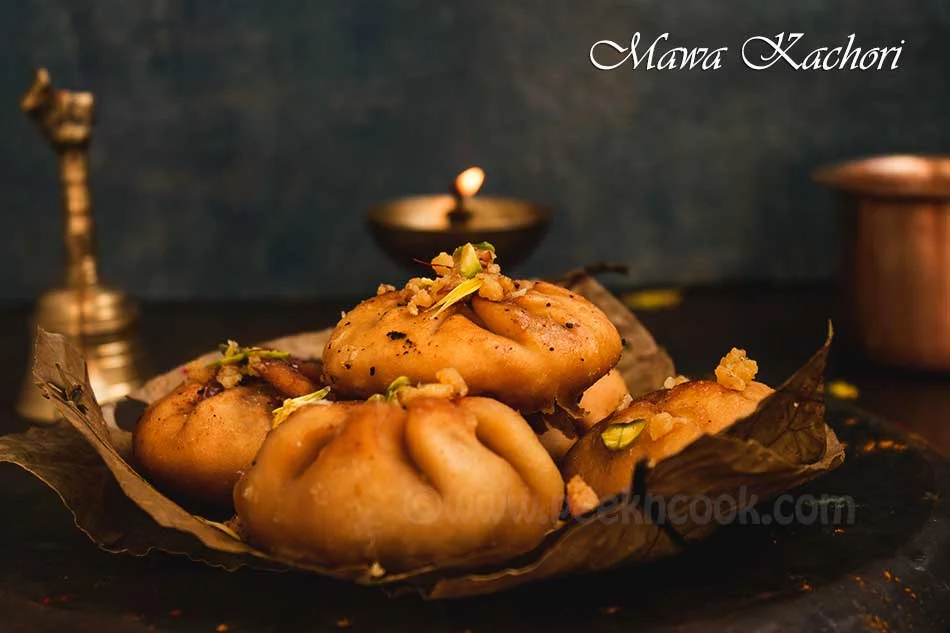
[895, 220]
[420, 227]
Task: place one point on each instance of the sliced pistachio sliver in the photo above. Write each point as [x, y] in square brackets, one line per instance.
[619, 436]
[268, 353]
[469, 266]
[234, 354]
[229, 348]
[396, 385]
[292, 404]
[458, 293]
[232, 359]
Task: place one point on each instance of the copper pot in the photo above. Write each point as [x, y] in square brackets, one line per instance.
[895, 218]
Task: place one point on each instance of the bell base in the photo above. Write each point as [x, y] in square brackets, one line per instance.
[103, 324]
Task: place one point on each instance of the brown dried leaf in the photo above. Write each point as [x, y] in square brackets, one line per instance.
[89, 467]
[67, 463]
[791, 422]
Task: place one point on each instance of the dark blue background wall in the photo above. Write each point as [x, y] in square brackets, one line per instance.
[239, 142]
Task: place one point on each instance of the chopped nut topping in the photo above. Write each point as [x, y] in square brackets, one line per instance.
[254, 364]
[421, 299]
[429, 390]
[491, 289]
[625, 402]
[470, 270]
[451, 376]
[581, 498]
[384, 288]
[661, 424]
[200, 371]
[450, 385]
[442, 260]
[230, 376]
[736, 370]
[672, 381]
[418, 284]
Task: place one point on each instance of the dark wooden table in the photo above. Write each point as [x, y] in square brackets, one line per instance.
[52, 578]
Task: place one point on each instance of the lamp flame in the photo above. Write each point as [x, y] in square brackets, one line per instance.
[469, 182]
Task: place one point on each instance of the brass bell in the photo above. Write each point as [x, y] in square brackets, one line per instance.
[102, 321]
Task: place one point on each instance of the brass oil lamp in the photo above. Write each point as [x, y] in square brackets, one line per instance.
[420, 227]
[101, 320]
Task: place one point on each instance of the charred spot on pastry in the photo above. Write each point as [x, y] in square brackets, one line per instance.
[395, 336]
[211, 389]
[372, 371]
[569, 326]
[348, 365]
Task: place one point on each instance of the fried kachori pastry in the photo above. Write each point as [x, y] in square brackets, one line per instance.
[422, 476]
[196, 441]
[602, 399]
[662, 423]
[529, 344]
[558, 431]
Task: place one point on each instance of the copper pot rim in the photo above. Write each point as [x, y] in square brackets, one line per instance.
[891, 176]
